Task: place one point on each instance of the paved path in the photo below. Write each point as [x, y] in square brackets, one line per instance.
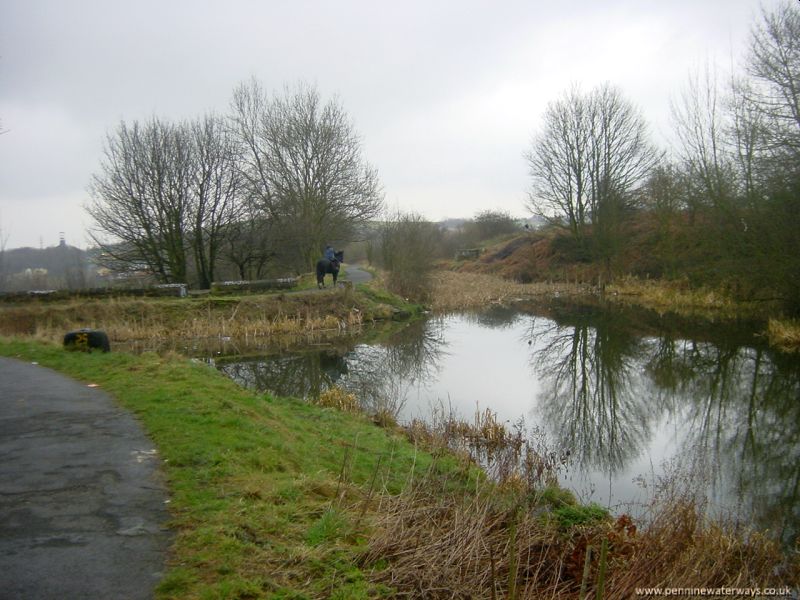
[356, 274]
[82, 507]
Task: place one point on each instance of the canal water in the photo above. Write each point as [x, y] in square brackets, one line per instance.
[633, 398]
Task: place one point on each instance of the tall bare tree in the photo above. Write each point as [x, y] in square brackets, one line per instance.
[303, 162]
[214, 193]
[558, 164]
[774, 101]
[701, 123]
[166, 193]
[774, 65]
[251, 243]
[140, 199]
[589, 160]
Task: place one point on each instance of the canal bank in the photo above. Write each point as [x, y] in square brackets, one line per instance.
[274, 497]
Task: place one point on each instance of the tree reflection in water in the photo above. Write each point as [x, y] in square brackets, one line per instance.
[380, 375]
[742, 412]
[303, 374]
[606, 389]
[591, 400]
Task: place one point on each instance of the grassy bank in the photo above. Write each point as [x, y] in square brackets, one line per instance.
[276, 498]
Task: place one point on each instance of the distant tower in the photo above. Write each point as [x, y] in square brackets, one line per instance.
[62, 243]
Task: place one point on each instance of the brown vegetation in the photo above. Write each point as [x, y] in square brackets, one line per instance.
[444, 545]
[784, 334]
[517, 535]
[462, 290]
[128, 319]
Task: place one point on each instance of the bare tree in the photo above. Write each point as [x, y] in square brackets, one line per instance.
[774, 64]
[407, 247]
[251, 242]
[701, 124]
[215, 205]
[589, 160]
[140, 199]
[304, 164]
[558, 164]
[166, 193]
[747, 134]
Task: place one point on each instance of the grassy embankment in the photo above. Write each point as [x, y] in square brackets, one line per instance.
[276, 498]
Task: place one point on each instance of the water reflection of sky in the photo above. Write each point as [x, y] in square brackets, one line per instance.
[623, 403]
[482, 367]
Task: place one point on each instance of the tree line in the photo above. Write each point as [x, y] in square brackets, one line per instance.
[275, 179]
[722, 206]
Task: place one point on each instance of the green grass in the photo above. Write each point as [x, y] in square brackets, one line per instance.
[270, 497]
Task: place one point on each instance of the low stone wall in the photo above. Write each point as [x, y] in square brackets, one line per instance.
[177, 290]
[260, 285]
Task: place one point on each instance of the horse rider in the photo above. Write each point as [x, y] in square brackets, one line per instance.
[329, 253]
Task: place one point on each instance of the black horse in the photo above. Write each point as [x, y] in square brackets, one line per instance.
[329, 266]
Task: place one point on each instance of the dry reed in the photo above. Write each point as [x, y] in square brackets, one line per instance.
[674, 296]
[501, 539]
[784, 334]
[440, 545]
[454, 291]
[130, 319]
[339, 399]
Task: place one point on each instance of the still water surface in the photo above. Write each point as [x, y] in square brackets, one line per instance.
[632, 396]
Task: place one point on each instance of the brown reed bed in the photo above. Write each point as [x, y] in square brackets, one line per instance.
[436, 544]
[457, 291]
[784, 334]
[677, 297]
[515, 534]
[245, 317]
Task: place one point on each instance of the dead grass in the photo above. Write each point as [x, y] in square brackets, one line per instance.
[517, 535]
[247, 317]
[339, 399]
[437, 544]
[673, 296]
[784, 334]
[457, 291]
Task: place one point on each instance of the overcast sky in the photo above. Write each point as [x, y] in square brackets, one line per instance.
[446, 96]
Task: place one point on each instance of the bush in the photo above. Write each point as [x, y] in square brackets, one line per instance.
[407, 248]
[571, 515]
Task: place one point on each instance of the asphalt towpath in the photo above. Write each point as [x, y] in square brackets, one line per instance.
[356, 274]
[82, 505]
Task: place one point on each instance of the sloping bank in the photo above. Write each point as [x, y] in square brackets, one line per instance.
[277, 498]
